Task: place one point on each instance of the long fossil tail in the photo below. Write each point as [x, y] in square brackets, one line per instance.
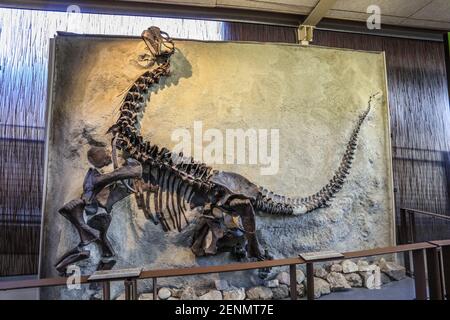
[276, 204]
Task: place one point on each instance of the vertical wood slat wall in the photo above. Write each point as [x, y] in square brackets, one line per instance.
[21, 177]
[419, 109]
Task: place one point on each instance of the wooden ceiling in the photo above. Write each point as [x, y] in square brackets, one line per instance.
[424, 14]
[428, 14]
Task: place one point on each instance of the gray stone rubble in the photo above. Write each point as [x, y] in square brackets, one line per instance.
[337, 276]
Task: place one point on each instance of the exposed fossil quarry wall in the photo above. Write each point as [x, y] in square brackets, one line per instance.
[312, 95]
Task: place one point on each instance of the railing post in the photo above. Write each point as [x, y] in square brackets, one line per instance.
[155, 288]
[130, 289]
[293, 281]
[403, 227]
[445, 262]
[412, 225]
[127, 283]
[134, 293]
[310, 280]
[405, 239]
[443, 269]
[434, 274]
[106, 290]
[420, 281]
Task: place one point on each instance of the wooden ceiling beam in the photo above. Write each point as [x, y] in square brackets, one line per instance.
[319, 12]
[306, 29]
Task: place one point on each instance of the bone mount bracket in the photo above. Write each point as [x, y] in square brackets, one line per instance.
[305, 34]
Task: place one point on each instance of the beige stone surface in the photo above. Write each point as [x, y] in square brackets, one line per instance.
[312, 95]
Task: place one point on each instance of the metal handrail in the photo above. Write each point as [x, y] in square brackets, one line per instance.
[434, 215]
[408, 235]
[408, 230]
[418, 250]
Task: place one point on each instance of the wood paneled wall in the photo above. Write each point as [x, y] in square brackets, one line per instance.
[21, 179]
[419, 107]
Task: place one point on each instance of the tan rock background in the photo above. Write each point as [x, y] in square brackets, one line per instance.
[312, 95]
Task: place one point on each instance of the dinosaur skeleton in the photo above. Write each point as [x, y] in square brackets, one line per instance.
[226, 201]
